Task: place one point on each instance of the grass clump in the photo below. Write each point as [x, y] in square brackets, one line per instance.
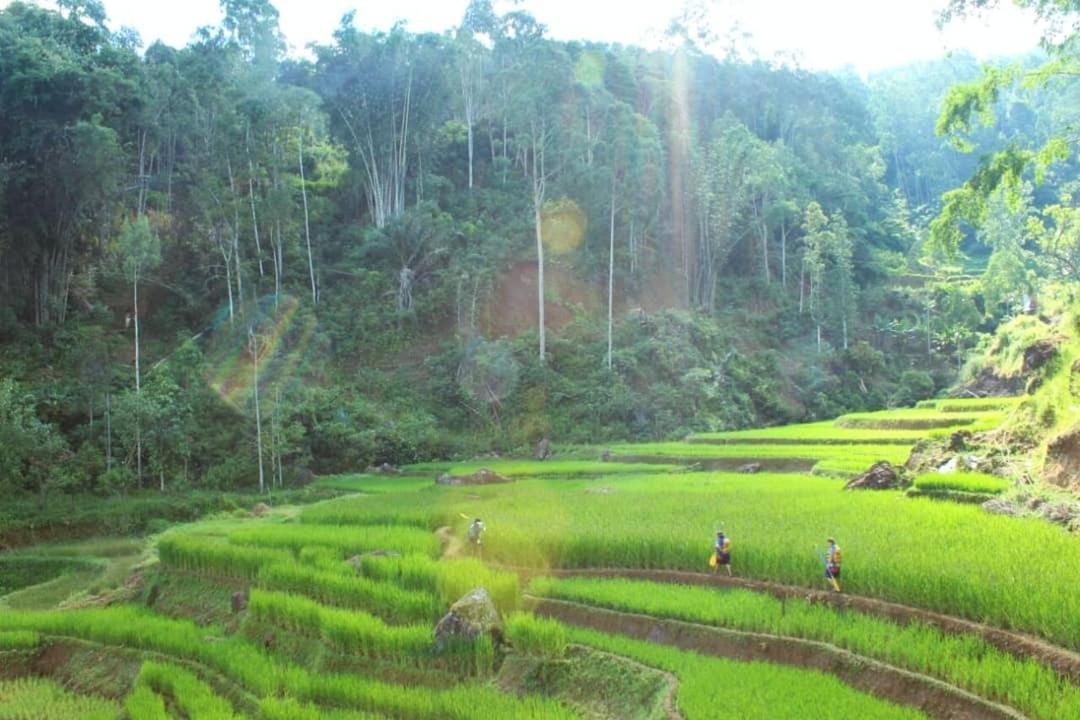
[345, 540]
[190, 694]
[145, 704]
[449, 579]
[208, 556]
[971, 482]
[268, 676]
[31, 698]
[712, 687]
[349, 632]
[19, 640]
[386, 600]
[536, 636]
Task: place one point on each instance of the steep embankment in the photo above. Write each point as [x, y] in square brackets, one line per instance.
[1041, 355]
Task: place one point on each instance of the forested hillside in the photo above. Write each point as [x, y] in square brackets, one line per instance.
[225, 267]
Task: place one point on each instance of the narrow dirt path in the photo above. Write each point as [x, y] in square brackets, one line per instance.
[934, 697]
[1065, 662]
[452, 546]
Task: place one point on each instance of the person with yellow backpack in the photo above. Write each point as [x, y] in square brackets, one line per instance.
[721, 553]
[833, 558]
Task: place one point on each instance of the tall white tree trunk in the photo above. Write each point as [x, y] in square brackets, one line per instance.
[783, 254]
[138, 382]
[307, 223]
[108, 431]
[253, 341]
[226, 255]
[236, 234]
[538, 205]
[254, 217]
[611, 280]
[540, 274]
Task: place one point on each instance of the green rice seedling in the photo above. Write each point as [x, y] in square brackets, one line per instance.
[798, 456]
[145, 704]
[972, 482]
[776, 521]
[275, 709]
[349, 632]
[32, 698]
[449, 579]
[916, 419]
[346, 540]
[712, 687]
[462, 702]
[415, 572]
[818, 433]
[536, 636]
[206, 556]
[138, 628]
[384, 599]
[19, 640]
[323, 558]
[987, 405]
[558, 468]
[967, 661]
[194, 697]
[368, 484]
[265, 675]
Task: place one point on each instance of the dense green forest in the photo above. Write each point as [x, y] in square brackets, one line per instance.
[222, 267]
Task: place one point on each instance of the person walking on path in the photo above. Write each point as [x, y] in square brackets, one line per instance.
[833, 559]
[476, 530]
[722, 553]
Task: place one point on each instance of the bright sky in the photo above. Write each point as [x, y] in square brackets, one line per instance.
[823, 34]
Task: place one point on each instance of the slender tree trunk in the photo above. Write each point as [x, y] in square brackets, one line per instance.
[226, 255]
[819, 338]
[138, 383]
[802, 285]
[611, 279]
[783, 254]
[928, 348]
[307, 223]
[236, 236]
[254, 217]
[843, 329]
[254, 343]
[538, 203]
[108, 431]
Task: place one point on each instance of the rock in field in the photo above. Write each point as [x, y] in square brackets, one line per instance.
[483, 476]
[749, 468]
[1001, 506]
[881, 476]
[543, 450]
[469, 618]
[1063, 460]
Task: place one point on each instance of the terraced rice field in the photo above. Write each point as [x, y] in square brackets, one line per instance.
[946, 612]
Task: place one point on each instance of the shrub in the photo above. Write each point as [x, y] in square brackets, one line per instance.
[383, 599]
[194, 697]
[536, 636]
[972, 482]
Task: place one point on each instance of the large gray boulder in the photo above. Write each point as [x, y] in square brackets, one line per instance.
[881, 476]
[470, 617]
